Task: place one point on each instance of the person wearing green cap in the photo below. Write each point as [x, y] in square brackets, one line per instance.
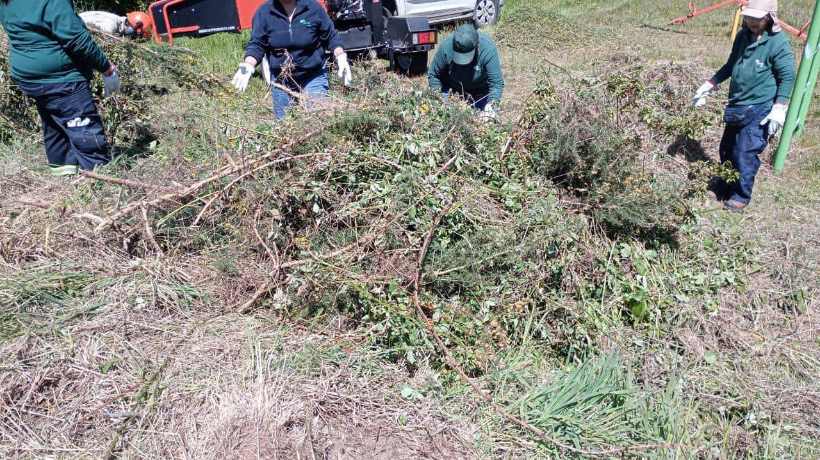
[467, 63]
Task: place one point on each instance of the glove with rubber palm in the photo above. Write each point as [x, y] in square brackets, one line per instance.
[242, 76]
[344, 69]
[776, 118]
[700, 96]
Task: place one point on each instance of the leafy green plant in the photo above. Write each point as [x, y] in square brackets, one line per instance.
[594, 404]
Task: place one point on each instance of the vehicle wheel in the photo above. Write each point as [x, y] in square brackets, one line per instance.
[486, 13]
[411, 64]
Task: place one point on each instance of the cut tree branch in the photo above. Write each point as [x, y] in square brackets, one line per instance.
[224, 172]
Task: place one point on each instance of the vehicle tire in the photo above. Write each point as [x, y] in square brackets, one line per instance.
[411, 64]
[486, 13]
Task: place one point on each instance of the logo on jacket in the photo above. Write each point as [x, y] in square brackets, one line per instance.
[758, 63]
[304, 22]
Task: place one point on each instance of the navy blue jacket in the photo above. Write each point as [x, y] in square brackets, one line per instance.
[306, 39]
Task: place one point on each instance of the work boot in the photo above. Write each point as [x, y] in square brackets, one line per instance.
[734, 205]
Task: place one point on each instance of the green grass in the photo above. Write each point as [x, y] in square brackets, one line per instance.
[218, 54]
[594, 404]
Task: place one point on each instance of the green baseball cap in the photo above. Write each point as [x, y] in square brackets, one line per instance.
[465, 43]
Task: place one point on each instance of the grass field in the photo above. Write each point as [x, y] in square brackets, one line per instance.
[380, 276]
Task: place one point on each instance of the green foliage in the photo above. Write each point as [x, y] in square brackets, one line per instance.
[518, 280]
[583, 150]
[650, 290]
[17, 115]
[44, 287]
[145, 71]
[40, 294]
[593, 405]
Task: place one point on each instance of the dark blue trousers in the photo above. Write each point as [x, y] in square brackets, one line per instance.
[72, 127]
[743, 141]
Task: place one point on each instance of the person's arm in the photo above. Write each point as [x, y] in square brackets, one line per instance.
[783, 68]
[495, 78]
[435, 71]
[330, 39]
[71, 33]
[259, 38]
[725, 72]
[328, 35]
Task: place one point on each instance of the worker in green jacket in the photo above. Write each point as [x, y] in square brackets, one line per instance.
[761, 66]
[53, 57]
[467, 63]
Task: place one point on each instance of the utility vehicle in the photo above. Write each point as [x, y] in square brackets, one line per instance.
[398, 30]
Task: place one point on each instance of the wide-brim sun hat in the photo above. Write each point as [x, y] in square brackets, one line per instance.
[760, 8]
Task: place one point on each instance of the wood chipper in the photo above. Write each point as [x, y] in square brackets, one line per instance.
[363, 25]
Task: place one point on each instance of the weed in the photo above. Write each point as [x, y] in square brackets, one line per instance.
[593, 404]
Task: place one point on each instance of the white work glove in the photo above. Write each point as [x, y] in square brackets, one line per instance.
[489, 113]
[242, 76]
[266, 70]
[776, 118]
[700, 96]
[344, 69]
[112, 82]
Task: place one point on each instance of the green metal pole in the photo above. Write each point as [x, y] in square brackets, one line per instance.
[809, 93]
[799, 90]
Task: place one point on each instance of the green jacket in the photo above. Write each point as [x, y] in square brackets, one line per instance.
[761, 71]
[49, 42]
[483, 75]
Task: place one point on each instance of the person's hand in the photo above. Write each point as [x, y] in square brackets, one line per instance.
[700, 96]
[344, 69]
[112, 81]
[776, 118]
[243, 76]
[489, 113]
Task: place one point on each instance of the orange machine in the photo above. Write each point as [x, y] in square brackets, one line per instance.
[246, 10]
[197, 18]
[362, 25]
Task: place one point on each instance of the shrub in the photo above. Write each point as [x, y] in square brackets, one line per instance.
[577, 143]
[17, 114]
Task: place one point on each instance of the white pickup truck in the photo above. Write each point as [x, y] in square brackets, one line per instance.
[483, 12]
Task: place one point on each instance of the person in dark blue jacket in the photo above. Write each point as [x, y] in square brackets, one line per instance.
[293, 36]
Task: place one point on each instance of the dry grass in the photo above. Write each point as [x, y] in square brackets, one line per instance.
[172, 385]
